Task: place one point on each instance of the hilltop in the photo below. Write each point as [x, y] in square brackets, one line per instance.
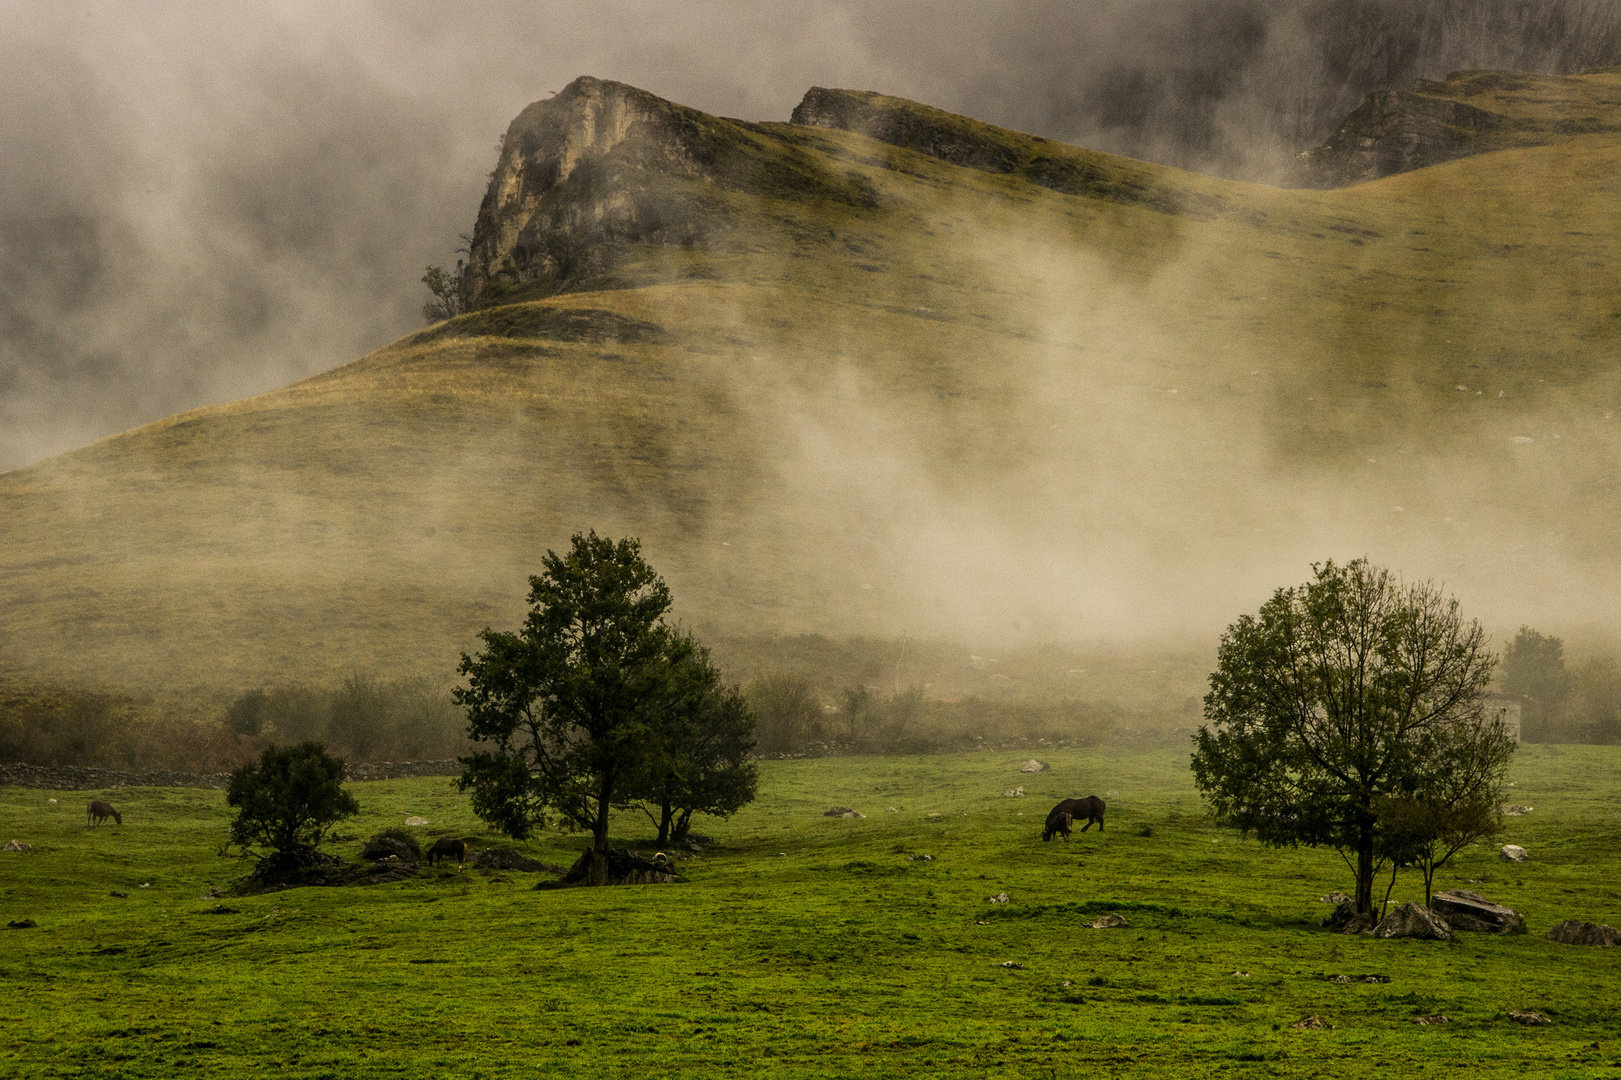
[882, 371]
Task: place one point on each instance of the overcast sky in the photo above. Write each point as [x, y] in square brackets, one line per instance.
[204, 201]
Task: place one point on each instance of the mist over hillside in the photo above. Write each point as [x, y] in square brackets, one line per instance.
[204, 204]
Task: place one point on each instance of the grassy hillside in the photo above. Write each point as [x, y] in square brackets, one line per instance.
[961, 405]
[844, 952]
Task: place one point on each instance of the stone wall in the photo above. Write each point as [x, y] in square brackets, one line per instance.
[73, 778]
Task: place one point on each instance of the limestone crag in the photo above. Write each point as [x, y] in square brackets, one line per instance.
[601, 166]
[1395, 132]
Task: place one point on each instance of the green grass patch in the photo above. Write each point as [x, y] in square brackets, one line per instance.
[799, 945]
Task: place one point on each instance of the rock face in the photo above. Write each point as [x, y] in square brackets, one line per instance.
[1395, 132]
[898, 122]
[1472, 912]
[603, 166]
[1414, 921]
[1576, 932]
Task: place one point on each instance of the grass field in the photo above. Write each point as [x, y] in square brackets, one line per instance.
[801, 945]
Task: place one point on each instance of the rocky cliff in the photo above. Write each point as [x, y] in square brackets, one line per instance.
[1470, 112]
[602, 166]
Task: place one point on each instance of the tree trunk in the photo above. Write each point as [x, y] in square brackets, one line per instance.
[666, 815]
[1364, 868]
[682, 826]
[599, 836]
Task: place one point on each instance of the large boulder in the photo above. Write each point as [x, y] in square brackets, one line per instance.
[383, 846]
[1472, 912]
[1576, 932]
[1513, 853]
[1413, 921]
[501, 858]
[1034, 766]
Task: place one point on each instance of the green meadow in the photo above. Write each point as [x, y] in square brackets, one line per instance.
[804, 945]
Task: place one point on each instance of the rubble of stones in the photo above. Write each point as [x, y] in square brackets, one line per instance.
[625, 867]
[80, 778]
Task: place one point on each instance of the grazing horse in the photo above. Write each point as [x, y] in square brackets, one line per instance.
[98, 812]
[1062, 816]
[444, 848]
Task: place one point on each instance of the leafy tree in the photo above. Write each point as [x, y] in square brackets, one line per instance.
[568, 702]
[701, 733]
[1341, 694]
[451, 289]
[1534, 670]
[289, 800]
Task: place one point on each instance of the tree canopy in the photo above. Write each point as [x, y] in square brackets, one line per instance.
[289, 800]
[1341, 695]
[595, 702]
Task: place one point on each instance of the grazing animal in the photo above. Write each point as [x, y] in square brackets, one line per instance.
[1062, 816]
[98, 812]
[444, 848]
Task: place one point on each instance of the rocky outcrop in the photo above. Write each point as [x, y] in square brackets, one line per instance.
[624, 868]
[971, 144]
[1576, 932]
[1469, 911]
[1413, 921]
[1395, 132]
[601, 167]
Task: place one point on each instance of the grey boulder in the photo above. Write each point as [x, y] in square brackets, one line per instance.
[1576, 932]
[1413, 921]
[1472, 912]
[1513, 853]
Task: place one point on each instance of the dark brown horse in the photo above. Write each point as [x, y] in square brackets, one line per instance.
[445, 847]
[1062, 816]
[98, 812]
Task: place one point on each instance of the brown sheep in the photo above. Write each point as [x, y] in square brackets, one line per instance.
[98, 812]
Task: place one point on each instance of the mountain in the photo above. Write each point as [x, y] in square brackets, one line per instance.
[884, 371]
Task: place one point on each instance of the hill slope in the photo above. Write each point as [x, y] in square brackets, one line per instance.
[846, 386]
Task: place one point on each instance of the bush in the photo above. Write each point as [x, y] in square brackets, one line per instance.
[288, 801]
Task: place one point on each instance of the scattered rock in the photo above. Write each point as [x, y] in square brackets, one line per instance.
[1108, 922]
[1334, 898]
[892, 810]
[854, 815]
[1313, 1023]
[836, 811]
[1576, 932]
[383, 846]
[1360, 924]
[1513, 853]
[1413, 921]
[1342, 914]
[1528, 1017]
[52, 801]
[120, 895]
[1436, 1019]
[1013, 965]
[999, 898]
[1111, 794]
[17, 845]
[693, 846]
[1034, 766]
[934, 815]
[1013, 793]
[221, 909]
[416, 821]
[1514, 811]
[1241, 974]
[500, 858]
[21, 924]
[1469, 911]
[920, 858]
